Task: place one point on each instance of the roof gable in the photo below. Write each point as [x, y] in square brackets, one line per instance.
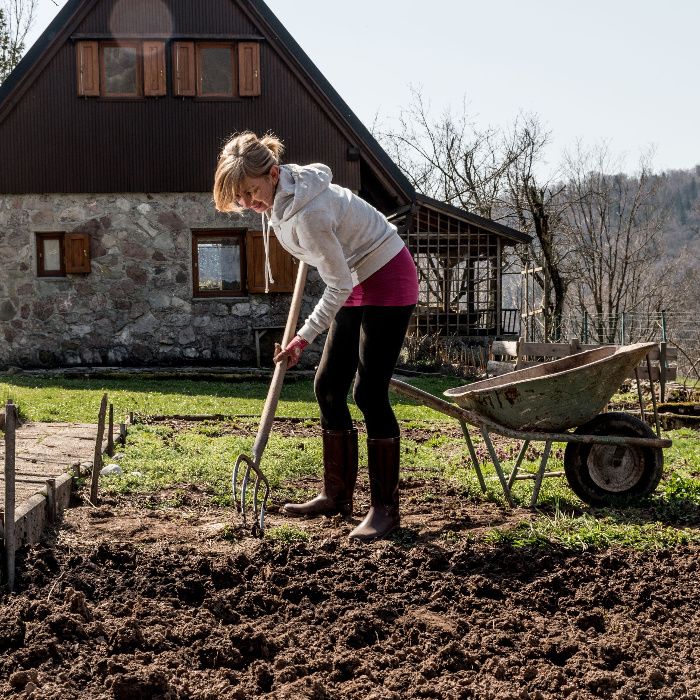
[80, 18]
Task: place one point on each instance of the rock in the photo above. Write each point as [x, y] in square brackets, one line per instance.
[111, 469]
[496, 368]
[20, 679]
[7, 310]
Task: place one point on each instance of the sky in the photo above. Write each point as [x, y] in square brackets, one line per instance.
[620, 72]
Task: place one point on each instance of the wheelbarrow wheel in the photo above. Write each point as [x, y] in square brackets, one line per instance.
[602, 474]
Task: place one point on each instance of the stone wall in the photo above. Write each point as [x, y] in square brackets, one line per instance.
[136, 306]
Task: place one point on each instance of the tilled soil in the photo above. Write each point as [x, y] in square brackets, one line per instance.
[135, 600]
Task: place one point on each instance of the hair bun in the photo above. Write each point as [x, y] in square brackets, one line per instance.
[273, 144]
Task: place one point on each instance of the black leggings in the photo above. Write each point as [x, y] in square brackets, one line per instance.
[363, 343]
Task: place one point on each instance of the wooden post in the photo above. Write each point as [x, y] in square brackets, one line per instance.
[653, 397]
[110, 432]
[622, 328]
[664, 329]
[662, 369]
[97, 461]
[122, 433]
[10, 542]
[51, 499]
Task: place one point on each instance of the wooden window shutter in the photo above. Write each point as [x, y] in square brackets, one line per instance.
[249, 69]
[88, 68]
[77, 252]
[183, 69]
[153, 68]
[284, 266]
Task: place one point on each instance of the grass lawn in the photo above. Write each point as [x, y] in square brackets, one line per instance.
[158, 456]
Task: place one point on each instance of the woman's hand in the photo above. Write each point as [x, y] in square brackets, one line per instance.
[292, 352]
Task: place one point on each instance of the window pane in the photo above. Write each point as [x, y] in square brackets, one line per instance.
[216, 72]
[52, 255]
[219, 264]
[120, 70]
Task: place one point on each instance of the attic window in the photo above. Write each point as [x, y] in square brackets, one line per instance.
[133, 69]
[219, 70]
[215, 70]
[123, 69]
[120, 70]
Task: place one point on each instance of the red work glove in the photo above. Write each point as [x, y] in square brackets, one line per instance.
[292, 352]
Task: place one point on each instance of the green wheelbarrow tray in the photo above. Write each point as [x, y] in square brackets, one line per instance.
[555, 395]
[608, 456]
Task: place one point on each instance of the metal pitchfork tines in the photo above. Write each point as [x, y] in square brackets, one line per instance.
[247, 468]
[243, 474]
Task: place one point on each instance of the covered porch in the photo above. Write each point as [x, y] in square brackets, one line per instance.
[460, 260]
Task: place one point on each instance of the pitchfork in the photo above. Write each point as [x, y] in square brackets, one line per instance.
[248, 468]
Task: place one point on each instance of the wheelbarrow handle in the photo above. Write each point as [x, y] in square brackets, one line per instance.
[273, 393]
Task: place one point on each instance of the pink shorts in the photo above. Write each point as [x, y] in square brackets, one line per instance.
[395, 284]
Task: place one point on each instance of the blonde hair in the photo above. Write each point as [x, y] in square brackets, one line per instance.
[244, 156]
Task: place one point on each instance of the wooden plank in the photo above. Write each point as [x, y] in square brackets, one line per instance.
[77, 253]
[154, 68]
[249, 69]
[33, 515]
[544, 349]
[554, 349]
[284, 266]
[644, 374]
[87, 68]
[183, 69]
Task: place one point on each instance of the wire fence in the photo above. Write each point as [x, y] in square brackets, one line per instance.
[680, 329]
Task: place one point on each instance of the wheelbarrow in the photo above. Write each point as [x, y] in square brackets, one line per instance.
[608, 456]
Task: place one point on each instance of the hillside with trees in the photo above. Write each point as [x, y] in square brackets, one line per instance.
[618, 248]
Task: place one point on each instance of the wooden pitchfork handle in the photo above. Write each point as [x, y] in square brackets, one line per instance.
[275, 389]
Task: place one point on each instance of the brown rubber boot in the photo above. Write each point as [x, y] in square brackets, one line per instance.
[383, 456]
[339, 476]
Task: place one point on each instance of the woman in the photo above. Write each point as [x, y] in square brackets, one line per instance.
[371, 291]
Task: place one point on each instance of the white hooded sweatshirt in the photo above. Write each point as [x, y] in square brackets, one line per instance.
[327, 226]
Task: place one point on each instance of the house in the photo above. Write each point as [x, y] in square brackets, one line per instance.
[111, 251]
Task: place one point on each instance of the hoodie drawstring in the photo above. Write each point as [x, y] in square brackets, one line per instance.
[266, 245]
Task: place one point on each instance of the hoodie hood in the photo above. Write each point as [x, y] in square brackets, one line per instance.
[298, 185]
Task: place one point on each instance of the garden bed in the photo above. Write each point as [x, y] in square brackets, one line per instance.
[158, 594]
[157, 597]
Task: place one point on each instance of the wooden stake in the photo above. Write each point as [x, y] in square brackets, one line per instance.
[97, 461]
[110, 432]
[10, 541]
[51, 499]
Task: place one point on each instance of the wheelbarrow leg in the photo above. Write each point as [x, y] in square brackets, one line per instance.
[540, 473]
[518, 462]
[472, 453]
[497, 465]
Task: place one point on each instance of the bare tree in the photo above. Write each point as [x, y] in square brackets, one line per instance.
[538, 208]
[16, 19]
[451, 160]
[613, 228]
[490, 172]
